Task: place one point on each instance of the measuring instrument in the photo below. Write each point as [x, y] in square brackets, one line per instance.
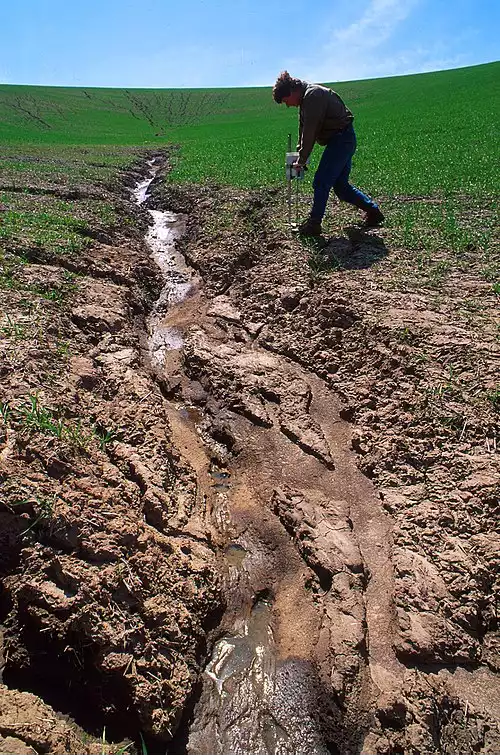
[291, 174]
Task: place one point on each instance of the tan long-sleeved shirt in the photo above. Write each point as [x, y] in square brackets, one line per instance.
[322, 114]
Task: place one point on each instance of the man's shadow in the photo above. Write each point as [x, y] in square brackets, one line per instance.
[359, 249]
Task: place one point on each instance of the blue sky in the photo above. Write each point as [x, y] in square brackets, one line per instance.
[161, 43]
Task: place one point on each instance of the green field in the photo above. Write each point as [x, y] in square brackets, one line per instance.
[427, 134]
[426, 149]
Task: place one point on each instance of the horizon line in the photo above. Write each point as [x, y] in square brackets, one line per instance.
[242, 86]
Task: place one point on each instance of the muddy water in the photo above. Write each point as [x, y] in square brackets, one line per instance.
[180, 280]
[140, 192]
[253, 702]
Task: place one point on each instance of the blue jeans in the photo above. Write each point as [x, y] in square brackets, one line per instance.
[333, 172]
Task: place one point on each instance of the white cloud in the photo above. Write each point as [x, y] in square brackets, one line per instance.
[362, 49]
[376, 25]
[417, 60]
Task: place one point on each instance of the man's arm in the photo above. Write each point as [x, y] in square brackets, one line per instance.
[314, 108]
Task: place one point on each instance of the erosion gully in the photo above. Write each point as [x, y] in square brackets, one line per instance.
[304, 649]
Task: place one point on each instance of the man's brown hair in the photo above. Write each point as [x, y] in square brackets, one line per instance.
[285, 85]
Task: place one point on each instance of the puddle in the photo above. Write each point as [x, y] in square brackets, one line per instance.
[162, 338]
[235, 555]
[221, 479]
[191, 414]
[140, 192]
[245, 655]
[179, 278]
[253, 704]
[161, 237]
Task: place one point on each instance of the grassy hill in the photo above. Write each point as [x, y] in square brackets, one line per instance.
[426, 151]
[427, 134]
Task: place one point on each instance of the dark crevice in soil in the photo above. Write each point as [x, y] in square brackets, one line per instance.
[70, 684]
[6, 731]
[251, 417]
[306, 448]
[179, 742]
[64, 676]
[10, 544]
[435, 668]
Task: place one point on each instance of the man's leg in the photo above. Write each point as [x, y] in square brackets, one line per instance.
[346, 192]
[336, 156]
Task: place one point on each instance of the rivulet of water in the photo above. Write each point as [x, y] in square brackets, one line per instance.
[252, 702]
[179, 279]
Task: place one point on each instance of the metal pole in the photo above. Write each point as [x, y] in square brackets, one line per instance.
[297, 202]
[297, 187]
[289, 177]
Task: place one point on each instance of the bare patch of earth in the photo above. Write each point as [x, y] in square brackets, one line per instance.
[413, 367]
[312, 474]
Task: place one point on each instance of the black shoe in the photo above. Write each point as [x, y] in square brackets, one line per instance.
[373, 217]
[310, 227]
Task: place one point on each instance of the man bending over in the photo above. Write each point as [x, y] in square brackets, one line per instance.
[325, 119]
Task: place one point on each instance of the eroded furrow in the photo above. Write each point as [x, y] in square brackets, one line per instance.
[290, 507]
[211, 570]
[340, 605]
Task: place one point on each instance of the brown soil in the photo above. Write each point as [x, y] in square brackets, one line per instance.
[299, 424]
[108, 586]
[284, 359]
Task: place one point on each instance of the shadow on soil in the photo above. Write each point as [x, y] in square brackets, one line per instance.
[73, 686]
[358, 249]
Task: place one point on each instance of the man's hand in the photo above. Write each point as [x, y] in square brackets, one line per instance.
[298, 168]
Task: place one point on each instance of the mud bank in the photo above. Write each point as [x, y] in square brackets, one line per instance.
[109, 574]
[313, 393]
[233, 545]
